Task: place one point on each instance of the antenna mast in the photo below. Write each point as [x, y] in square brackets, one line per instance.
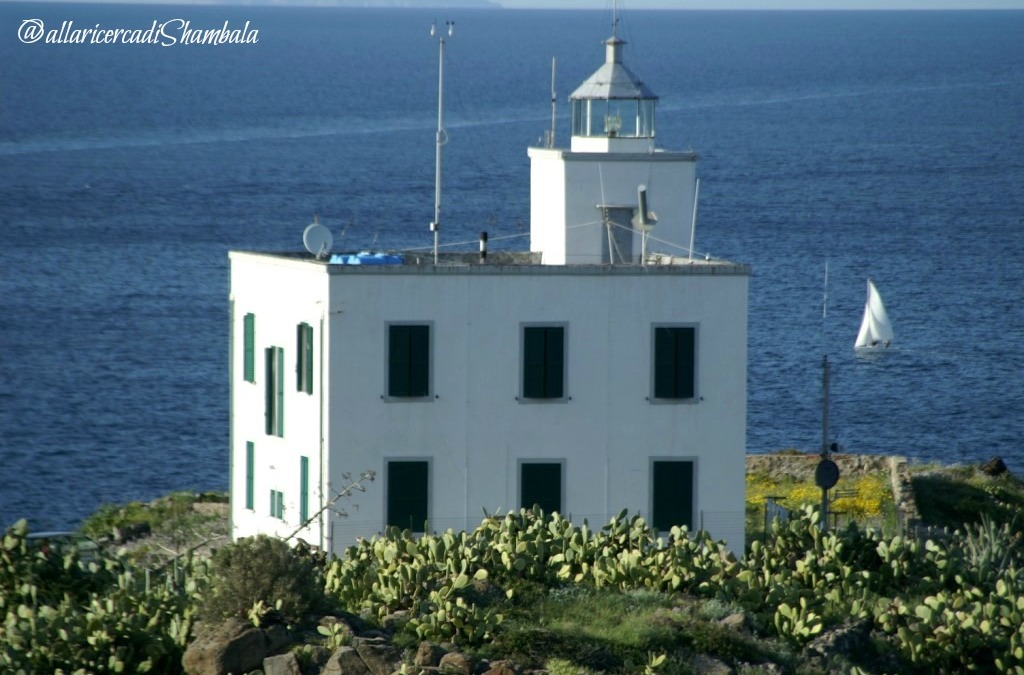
[693, 220]
[554, 100]
[442, 135]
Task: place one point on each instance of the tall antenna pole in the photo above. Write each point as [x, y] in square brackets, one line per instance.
[442, 137]
[615, 19]
[554, 100]
[824, 439]
[693, 221]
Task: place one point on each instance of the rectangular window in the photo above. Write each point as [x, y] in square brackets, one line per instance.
[249, 349]
[275, 391]
[304, 358]
[303, 489]
[409, 361]
[544, 362]
[540, 484]
[277, 504]
[250, 475]
[674, 362]
[408, 494]
[672, 494]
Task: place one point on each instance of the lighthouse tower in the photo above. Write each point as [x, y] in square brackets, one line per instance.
[595, 202]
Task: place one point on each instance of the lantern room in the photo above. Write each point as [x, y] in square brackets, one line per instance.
[613, 110]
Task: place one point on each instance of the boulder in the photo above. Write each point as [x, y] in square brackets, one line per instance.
[994, 467]
[428, 655]
[282, 664]
[345, 661]
[379, 656]
[233, 646]
[455, 662]
[843, 640]
[503, 667]
[736, 621]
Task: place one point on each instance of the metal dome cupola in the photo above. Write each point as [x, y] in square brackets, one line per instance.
[613, 109]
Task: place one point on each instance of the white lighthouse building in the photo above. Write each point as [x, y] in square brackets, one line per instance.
[593, 373]
[585, 201]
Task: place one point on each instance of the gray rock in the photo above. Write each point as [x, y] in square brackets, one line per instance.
[428, 655]
[277, 638]
[230, 647]
[840, 641]
[380, 657]
[317, 657]
[709, 665]
[994, 467]
[282, 664]
[736, 621]
[501, 668]
[454, 662]
[345, 661]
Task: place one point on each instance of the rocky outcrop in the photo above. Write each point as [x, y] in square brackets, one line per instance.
[994, 467]
[233, 646]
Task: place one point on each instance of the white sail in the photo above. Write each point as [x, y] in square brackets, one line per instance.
[875, 329]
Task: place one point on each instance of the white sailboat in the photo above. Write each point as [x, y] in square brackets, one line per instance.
[875, 328]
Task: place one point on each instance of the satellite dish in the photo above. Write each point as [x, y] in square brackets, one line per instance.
[317, 238]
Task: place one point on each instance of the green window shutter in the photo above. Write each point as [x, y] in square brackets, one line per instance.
[399, 360]
[249, 347]
[419, 360]
[275, 391]
[409, 361]
[664, 363]
[303, 489]
[279, 430]
[250, 471]
[533, 362]
[540, 483]
[554, 356]
[408, 494]
[543, 362]
[277, 504]
[304, 358]
[684, 362]
[270, 395]
[674, 356]
[672, 500]
[309, 359]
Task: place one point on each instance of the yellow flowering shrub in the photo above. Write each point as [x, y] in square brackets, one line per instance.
[863, 497]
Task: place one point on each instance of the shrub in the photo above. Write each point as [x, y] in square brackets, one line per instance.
[263, 570]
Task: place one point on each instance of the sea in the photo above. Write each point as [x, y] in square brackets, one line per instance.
[834, 147]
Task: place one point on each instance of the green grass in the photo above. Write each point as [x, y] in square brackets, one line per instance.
[581, 629]
[954, 496]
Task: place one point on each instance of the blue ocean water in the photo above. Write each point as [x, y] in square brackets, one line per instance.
[887, 144]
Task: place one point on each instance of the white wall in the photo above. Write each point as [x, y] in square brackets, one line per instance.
[566, 188]
[547, 204]
[474, 430]
[281, 294]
